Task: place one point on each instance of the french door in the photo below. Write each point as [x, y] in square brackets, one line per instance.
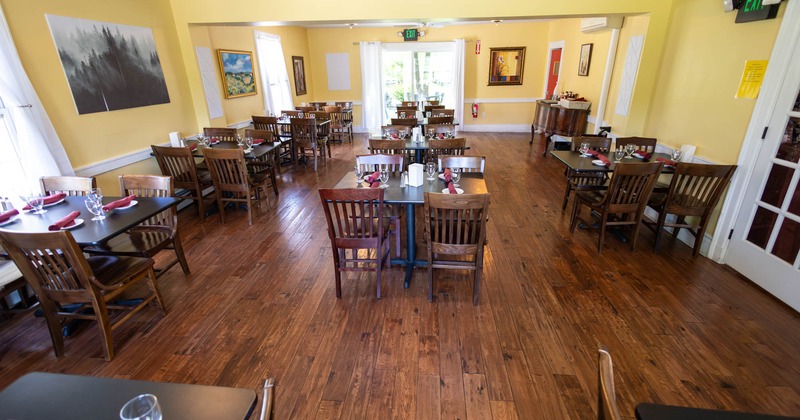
[765, 243]
[417, 72]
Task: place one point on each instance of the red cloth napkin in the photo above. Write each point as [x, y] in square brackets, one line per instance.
[452, 188]
[192, 146]
[605, 160]
[447, 175]
[7, 215]
[643, 154]
[256, 142]
[395, 136]
[50, 199]
[375, 184]
[376, 176]
[669, 162]
[441, 136]
[65, 221]
[122, 202]
[592, 152]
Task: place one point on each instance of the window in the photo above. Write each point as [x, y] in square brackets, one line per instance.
[274, 77]
[11, 168]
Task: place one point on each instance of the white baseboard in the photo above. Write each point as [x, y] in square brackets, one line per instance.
[497, 128]
[107, 165]
[500, 100]
[241, 124]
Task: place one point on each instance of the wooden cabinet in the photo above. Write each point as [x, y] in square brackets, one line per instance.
[550, 119]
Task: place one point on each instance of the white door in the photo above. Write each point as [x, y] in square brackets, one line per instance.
[766, 236]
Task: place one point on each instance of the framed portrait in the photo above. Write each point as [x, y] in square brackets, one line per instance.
[237, 73]
[506, 66]
[299, 75]
[585, 60]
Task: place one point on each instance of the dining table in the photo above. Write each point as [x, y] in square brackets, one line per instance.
[651, 411]
[419, 145]
[256, 152]
[578, 163]
[40, 395]
[410, 197]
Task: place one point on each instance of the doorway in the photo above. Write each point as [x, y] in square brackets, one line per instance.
[553, 68]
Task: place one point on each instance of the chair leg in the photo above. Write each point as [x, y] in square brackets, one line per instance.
[176, 242]
[662, 217]
[221, 206]
[566, 196]
[635, 232]
[104, 323]
[338, 256]
[200, 206]
[50, 309]
[379, 264]
[698, 239]
[153, 283]
[274, 182]
[478, 274]
[575, 211]
[249, 208]
[603, 222]
[314, 154]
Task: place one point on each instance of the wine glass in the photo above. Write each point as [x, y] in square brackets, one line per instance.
[676, 155]
[249, 142]
[618, 154]
[359, 171]
[629, 150]
[142, 407]
[430, 168]
[36, 201]
[384, 178]
[96, 208]
[95, 194]
[239, 139]
[584, 149]
[455, 175]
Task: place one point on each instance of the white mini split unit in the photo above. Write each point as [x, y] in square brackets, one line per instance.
[596, 24]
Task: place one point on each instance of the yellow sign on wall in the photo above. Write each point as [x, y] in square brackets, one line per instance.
[752, 76]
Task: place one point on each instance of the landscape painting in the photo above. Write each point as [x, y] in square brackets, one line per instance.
[237, 73]
[108, 66]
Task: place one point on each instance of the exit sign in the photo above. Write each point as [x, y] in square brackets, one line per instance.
[410, 34]
[753, 10]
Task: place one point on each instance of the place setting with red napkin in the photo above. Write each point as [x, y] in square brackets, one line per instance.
[65, 222]
[257, 142]
[122, 202]
[447, 176]
[667, 162]
[49, 200]
[373, 180]
[642, 154]
[598, 157]
[7, 215]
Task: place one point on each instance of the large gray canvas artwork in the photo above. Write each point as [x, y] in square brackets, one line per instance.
[108, 66]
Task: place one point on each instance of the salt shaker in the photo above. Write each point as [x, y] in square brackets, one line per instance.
[404, 179]
[5, 204]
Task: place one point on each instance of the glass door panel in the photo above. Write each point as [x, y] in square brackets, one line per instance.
[416, 76]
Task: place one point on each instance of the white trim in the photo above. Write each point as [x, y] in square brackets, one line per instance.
[613, 43]
[241, 124]
[498, 128]
[501, 100]
[760, 118]
[108, 165]
[552, 46]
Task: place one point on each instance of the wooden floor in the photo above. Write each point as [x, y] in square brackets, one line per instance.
[260, 302]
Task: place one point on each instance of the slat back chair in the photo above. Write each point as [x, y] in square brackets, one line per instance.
[452, 147]
[433, 107]
[233, 184]
[305, 108]
[434, 103]
[222, 134]
[406, 113]
[463, 163]
[440, 120]
[455, 226]
[356, 222]
[266, 123]
[178, 163]
[280, 133]
[69, 185]
[388, 147]
[627, 196]
[266, 163]
[439, 128]
[375, 162]
[607, 408]
[345, 104]
[152, 236]
[694, 192]
[55, 267]
[347, 115]
[400, 130]
[443, 112]
[411, 122]
[304, 132]
[585, 181]
[291, 113]
[318, 105]
[409, 104]
[340, 125]
[323, 131]
[642, 143]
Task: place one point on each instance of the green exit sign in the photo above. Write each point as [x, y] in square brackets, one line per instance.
[410, 34]
[753, 10]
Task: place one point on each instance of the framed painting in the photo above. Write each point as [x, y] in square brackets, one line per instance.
[299, 75]
[506, 66]
[237, 73]
[585, 60]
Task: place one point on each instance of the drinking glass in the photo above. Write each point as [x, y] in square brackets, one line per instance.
[431, 133]
[384, 178]
[36, 201]
[584, 148]
[402, 115]
[618, 154]
[359, 171]
[629, 149]
[142, 407]
[96, 208]
[95, 194]
[249, 142]
[676, 155]
[239, 140]
[386, 134]
[430, 168]
[455, 175]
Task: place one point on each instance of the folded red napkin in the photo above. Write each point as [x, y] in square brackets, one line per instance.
[7, 215]
[193, 146]
[375, 184]
[50, 199]
[643, 154]
[122, 202]
[395, 136]
[441, 136]
[256, 142]
[452, 188]
[605, 160]
[65, 221]
[376, 176]
[592, 152]
[447, 175]
[669, 162]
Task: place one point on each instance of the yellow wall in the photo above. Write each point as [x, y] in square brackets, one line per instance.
[702, 64]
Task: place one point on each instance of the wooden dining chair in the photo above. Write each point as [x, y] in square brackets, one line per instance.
[626, 198]
[304, 133]
[394, 164]
[69, 185]
[341, 127]
[410, 122]
[324, 130]
[693, 193]
[441, 112]
[149, 238]
[409, 104]
[344, 104]
[57, 270]
[452, 147]
[439, 120]
[221, 134]
[433, 107]
[318, 105]
[440, 128]
[233, 183]
[305, 108]
[607, 408]
[356, 223]
[401, 130]
[188, 182]
[280, 133]
[586, 181]
[265, 163]
[406, 113]
[389, 147]
[463, 163]
[642, 143]
[455, 225]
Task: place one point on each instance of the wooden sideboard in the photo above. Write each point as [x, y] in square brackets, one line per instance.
[551, 119]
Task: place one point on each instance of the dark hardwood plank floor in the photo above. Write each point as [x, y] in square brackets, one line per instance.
[260, 302]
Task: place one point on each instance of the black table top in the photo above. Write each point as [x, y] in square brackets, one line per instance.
[91, 232]
[649, 411]
[41, 395]
[574, 161]
[471, 183]
[258, 151]
[288, 121]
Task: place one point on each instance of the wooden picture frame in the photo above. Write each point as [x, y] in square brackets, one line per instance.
[299, 68]
[506, 66]
[585, 60]
[238, 76]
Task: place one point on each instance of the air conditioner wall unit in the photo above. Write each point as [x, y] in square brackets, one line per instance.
[596, 24]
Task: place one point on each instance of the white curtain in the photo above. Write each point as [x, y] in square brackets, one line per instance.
[34, 139]
[274, 76]
[371, 85]
[458, 80]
